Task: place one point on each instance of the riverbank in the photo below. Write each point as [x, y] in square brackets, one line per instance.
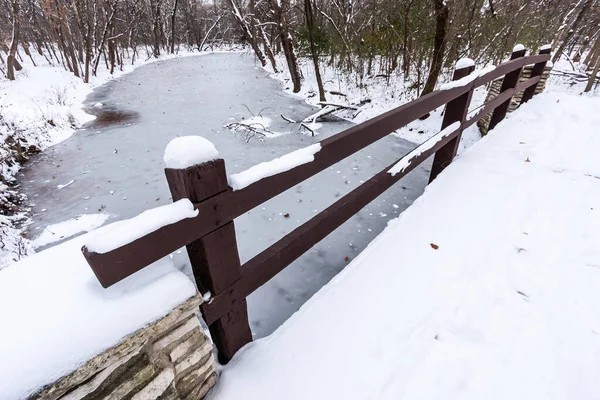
[42, 107]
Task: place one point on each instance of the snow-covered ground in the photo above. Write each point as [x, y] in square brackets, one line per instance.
[485, 288]
[41, 108]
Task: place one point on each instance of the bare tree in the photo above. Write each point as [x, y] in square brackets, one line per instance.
[310, 24]
[439, 46]
[10, 62]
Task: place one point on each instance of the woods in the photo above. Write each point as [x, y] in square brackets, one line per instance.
[415, 38]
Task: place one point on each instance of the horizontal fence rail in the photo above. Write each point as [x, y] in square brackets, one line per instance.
[218, 205]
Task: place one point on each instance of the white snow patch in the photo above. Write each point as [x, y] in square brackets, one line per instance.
[281, 164]
[62, 230]
[120, 233]
[518, 47]
[257, 121]
[464, 63]
[187, 151]
[546, 47]
[404, 162]
[56, 316]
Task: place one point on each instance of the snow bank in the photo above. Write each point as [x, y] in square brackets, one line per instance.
[55, 315]
[404, 162]
[121, 233]
[546, 47]
[62, 230]
[274, 167]
[187, 151]
[485, 288]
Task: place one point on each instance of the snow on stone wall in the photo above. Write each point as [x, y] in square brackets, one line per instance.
[171, 358]
[55, 317]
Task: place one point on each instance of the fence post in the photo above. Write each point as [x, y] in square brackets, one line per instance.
[456, 110]
[214, 258]
[538, 70]
[509, 82]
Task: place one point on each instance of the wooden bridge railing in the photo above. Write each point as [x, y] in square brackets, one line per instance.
[210, 237]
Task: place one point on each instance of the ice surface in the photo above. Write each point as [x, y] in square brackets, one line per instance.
[55, 315]
[464, 63]
[62, 230]
[485, 288]
[401, 165]
[273, 167]
[123, 232]
[187, 151]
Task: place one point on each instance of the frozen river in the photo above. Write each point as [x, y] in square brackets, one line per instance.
[117, 169]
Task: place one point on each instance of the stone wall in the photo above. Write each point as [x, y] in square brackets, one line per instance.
[494, 91]
[171, 359]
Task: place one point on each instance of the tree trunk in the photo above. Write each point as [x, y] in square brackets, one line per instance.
[173, 27]
[10, 62]
[313, 48]
[592, 56]
[439, 45]
[156, 28]
[287, 45]
[592, 78]
[247, 32]
[268, 50]
[571, 32]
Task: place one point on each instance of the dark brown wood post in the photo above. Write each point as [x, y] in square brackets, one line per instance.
[214, 258]
[509, 82]
[538, 70]
[456, 110]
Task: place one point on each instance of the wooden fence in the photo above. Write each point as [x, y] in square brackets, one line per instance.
[210, 237]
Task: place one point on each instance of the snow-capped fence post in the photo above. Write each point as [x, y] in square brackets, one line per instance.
[509, 82]
[214, 257]
[456, 111]
[538, 70]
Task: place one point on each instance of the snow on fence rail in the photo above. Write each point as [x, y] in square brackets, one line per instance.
[210, 236]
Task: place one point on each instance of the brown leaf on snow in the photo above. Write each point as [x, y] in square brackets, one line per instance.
[286, 215]
[527, 159]
[434, 246]
[346, 258]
